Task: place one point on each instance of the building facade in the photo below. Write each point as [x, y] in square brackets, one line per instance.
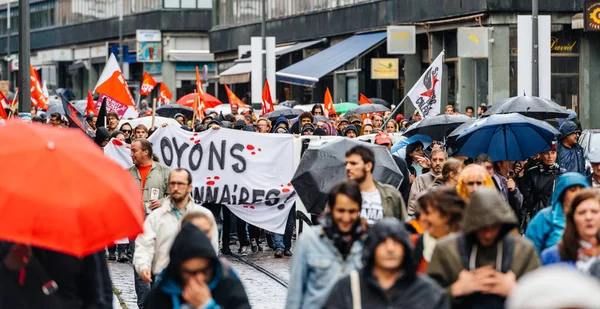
[575, 53]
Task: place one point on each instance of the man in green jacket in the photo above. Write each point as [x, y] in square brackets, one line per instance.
[378, 200]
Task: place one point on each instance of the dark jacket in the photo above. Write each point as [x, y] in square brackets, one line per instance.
[409, 291]
[101, 134]
[391, 201]
[539, 185]
[82, 282]
[226, 289]
[405, 185]
[571, 159]
[454, 253]
[281, 120]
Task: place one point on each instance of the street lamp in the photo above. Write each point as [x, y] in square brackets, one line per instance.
[24, 53]
[535, 69]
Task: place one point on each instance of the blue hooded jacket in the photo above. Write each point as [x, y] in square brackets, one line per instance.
[281, 120]
[571, 159]
[546, 228]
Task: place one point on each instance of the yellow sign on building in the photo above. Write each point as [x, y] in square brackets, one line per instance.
[384, 68]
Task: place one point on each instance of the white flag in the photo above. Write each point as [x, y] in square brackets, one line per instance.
[426, 93]
[119, 152]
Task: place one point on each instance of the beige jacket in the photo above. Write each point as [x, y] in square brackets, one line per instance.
[158, 178]
[160, 228]
[421, 184]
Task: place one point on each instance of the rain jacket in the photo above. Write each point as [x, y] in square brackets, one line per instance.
[539, 185]
[225, 287]
[421, 184]
[316, 266]
[409, 291]
[160, 228]
[281, 120]
[83, 283]
[158, 178]
[571, 159]
[546, 228]
[453, 253]
[101, 135]
[391, 201]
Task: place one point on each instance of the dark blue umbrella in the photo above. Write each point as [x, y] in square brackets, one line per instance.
[511, 137]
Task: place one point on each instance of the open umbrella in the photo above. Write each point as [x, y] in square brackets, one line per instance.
[322, 167]
[367, 109]
[511, 137]
[400, 147]
[437, 127]
[289, 103]
[63, 193]
[342, 108]
[188, 100]
[534, 107]
[287, 113]
[380, 102]
[170, 110]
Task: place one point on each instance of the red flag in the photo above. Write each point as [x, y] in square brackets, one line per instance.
[233, 99]
[72, 114]
[364, 100]
[91, 105]
[148, 84]
[38, 99]
[267, 102]
[112, 83]
[165, 94]
[3, 104]
[328, 102]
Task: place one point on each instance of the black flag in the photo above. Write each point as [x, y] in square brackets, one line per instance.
[73, 115]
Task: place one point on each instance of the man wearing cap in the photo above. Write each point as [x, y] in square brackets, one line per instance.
[342, 125]
[308, 129]
[570, 153]
[594, 178]
[384, 139]
[351, 131]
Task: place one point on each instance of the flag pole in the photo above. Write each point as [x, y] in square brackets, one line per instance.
[153, 112]
[195, 109]
[394, 112]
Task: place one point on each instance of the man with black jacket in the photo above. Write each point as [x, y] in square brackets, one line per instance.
[384, 139]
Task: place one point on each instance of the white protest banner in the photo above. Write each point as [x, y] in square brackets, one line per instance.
[249, 172]
[120, 152]
[427, 92]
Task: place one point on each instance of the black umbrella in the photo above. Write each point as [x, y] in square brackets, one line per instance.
[534, 107]
[289, 103]
[170, 110]
[366, 109]
[288, 113]
[322, 167]
[437, 127]
[380, 102]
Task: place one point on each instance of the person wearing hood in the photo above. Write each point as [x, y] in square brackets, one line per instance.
[308, 129]
[196, 277]
[540, 181]
[102, 137]
[281, 122]
[570, 153]
[327, 252]
[351, 131]
[389, 278]
[479, 267]
[546, 228]
[179, 117]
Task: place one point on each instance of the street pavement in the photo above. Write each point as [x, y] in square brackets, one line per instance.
[263, 292]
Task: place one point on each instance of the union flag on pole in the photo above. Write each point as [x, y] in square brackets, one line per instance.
[233, 99]
[199, 102]
[148, 84]
[364, 100]
[425, 95]
[38, 99]
[328, 103]
[91, 105]
[165, 95]
[267, 102]
[112, 84]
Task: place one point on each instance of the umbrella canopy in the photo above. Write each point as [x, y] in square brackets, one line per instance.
[147, 121]
[511, 137]
[367, 109]
[322, 167]
[287, 113]
[400, 147]
[437, 127]
[344, 107]
[380, 102]
[289, 103]
[170, 110]
[188, 100]
[63, 193]
[534, 107]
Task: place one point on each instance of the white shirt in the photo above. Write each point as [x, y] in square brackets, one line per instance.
[371, 209]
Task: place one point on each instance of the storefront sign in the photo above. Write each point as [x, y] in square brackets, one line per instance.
[147, 35]
[149, 52]
[592, 15]
[473, 42]
[559, 45]
[401, 40]
[384, 68]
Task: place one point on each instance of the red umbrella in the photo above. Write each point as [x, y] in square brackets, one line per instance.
[60, 192]
[188, 100]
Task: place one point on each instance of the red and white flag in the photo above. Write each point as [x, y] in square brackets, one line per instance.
[113, 86]
[165, 94]
[425, 95]
[233, 99]
[148, 84]
[3, 104]
[267, 102]
[38, 99]
[328, 103]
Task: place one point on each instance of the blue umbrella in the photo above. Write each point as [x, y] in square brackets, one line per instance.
[511, 137]
[400, 147]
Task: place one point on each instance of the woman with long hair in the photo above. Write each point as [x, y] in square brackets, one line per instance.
[366, 129]
[415, 152]
[579, 246]
[450, 173]
[442, 210]
[391, 126]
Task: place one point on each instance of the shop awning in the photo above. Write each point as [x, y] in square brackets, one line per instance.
[296, 47]
[239, 73]
[190, 55]
[308, 71]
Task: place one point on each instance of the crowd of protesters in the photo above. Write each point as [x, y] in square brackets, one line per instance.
[458, 232]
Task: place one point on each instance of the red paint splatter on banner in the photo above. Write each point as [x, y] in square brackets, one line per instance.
[117, 142]
[210, 183]
[259, 149]
[207, 177]
[191, 138]
[251, 207]
[287, 188]
[253, 153]
[250, 147]
[245, 206]
[197, 142]
[195, 134]
[217, 177]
